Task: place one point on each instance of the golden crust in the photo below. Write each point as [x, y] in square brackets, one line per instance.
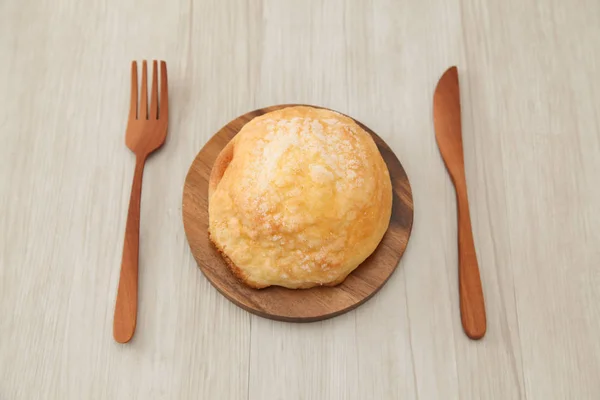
[242, 277]
[219, 167]
[237, 272]
[299, 198]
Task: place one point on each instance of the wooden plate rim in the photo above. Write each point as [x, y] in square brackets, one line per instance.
[407, 226]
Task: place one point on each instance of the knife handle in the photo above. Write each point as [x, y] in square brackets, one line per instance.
[472, 304]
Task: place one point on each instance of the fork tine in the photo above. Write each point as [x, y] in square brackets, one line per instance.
[154, 92]
[164, 92]
[143, 114]
[134, 93]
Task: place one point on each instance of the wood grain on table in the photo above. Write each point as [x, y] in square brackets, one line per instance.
[531, 132]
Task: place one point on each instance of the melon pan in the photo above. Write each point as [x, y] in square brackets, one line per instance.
[300, 197]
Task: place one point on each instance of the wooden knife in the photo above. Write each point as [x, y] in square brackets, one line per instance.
[446, 120]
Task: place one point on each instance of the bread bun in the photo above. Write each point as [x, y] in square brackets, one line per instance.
[299, 198]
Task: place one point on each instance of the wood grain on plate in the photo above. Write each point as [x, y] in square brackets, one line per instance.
[302, 305]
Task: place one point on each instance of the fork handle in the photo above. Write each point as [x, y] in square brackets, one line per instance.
[472, 304]
[126, 305]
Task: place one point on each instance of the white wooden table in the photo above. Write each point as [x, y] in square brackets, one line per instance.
[531, 117]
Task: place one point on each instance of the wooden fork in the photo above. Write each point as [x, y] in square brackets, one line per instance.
[146, 132]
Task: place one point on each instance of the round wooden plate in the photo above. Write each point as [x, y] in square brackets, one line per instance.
[301, 305]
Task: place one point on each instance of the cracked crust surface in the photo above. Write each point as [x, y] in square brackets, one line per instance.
[299, 198]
